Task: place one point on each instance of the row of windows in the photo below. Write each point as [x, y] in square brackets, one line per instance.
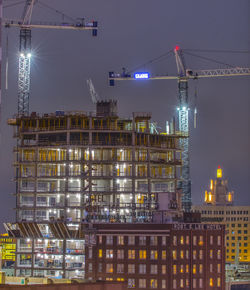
[181, 283]
[245, 212]
[153, 240]
[239, 238]
[131, 254]
[234, 251]
[197, 240]
[153, 254]
[132, 239]
[154, 269]
[240, 245]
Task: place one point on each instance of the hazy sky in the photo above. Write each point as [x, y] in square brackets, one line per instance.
[131, 33]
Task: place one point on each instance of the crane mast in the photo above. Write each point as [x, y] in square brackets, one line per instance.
[183, 110]
[24, 60]
[182, 77]
[25, 55]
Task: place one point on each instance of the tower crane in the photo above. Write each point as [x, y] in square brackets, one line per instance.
[25, 55]
[183, 76]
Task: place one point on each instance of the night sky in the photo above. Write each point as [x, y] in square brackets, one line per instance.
[130, 34]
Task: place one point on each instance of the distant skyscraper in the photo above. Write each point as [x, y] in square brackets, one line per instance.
[218, 193]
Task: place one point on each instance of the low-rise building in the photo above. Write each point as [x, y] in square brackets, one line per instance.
[157, 256]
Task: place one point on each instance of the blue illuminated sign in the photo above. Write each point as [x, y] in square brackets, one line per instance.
[142, 75]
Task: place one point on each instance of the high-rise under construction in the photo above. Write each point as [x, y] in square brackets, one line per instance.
[73, 167]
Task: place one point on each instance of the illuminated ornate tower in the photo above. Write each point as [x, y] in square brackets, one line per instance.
[218, 193]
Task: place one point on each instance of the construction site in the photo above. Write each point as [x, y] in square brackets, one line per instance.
[74, 167]
[95, 179]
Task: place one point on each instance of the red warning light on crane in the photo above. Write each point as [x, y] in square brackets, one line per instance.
[177, 47]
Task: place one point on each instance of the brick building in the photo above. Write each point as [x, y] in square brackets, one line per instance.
[157, 256]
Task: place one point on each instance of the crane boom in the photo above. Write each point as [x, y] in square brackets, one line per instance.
[183, 76]
[70, 26]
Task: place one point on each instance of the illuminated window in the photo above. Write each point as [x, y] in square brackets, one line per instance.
[211, 240]
[120, 240]
[219, 240]
[120, 254]
[174, 269]
[163, 284]
[131, 240]
[187, 254]
[174, 254]
[218, 282]
[182, 240]
[153, 255]
[182, 269]
[109, 254]
[153, 241]
[194, 269]
[211, 254]
[142, 240]
[90, 253]
[200, 268]
[163, 269]
[131, 254]
[219, 268]
[194, 283]
[200, 283]
[142, 269]
[187, 268]
[153, 283]
[187, 283]
[194, 240]
[201, 241]
[174, 284]
[109, 240]
[153, 269]
[131, 283]
[163, 241]
[182, 283]
[182, 254]
[164, 255]
[142, 283]
[201, 254]
[187, 240]
[109, 268]
[194, 255]
[100, 253]
[219, 254]
[142, 254]
[131, 268]
[120, 268]
[175, 240]
[100, 239]
[211, 282]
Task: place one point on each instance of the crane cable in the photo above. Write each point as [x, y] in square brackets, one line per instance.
[165, 55]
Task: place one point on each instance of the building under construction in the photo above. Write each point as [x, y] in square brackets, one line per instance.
[73, 167]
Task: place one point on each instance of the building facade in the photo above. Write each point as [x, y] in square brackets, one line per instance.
[218, 208]
[74, 167]
[157, 256]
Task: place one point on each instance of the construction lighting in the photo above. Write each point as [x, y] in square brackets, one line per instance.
[21, 55]
[29, 55]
